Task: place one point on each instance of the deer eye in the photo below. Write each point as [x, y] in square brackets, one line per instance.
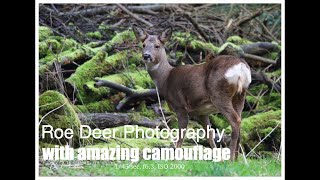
[143, 45]
[157, 46]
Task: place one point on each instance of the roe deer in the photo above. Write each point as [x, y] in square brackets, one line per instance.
[219, 85]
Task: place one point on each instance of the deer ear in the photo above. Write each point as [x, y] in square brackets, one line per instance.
[140, 33]
[165, 35]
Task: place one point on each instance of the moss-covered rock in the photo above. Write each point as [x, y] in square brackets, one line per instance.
[258, 126]
[63, 117]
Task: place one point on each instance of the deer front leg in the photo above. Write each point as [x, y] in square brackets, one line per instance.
[183, 119]
[204, 121]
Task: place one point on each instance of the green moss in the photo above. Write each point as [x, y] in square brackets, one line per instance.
[97, 66]
[238, 40]
[44, 32]
[258, 126]
[94, 35]
[46, 62]
[185, 39]
[230, 49]
[119, 38]
[269, 101]
[139, 80]
[193, 125]
[63, 117]
[218, 121]
[179, 55]
[105, 105]
[44, 46]
[147, 111]
[274, 74]
[196, 44]
[256, 90]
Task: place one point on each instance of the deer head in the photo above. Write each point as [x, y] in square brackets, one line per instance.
[153, 46]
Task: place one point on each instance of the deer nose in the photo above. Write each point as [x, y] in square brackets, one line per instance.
[146, 56]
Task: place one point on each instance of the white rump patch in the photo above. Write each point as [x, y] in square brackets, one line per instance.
[239, 75]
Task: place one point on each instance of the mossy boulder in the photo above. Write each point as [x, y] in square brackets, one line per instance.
[258, 126]
[63, 117]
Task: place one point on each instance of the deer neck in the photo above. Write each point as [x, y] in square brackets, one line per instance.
[159, 74]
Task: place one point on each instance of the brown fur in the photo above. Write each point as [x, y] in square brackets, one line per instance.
[196, 90]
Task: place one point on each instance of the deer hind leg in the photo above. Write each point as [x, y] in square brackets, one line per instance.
[204, 121]
[225, 107]
[183, 119]
[238, 104]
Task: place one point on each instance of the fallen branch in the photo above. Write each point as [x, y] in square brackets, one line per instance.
[258, 58]
[132, 95]
[259, 48]
[107, 120]
[134, 15]
[101, 10]
[196, 26]
[262, 77]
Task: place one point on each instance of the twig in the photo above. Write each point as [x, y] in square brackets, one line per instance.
[244, 156]
[51, 112]
[134, 15]
[267, 31]
[265, 60]
[196, 26]
[163, 117]
[263, 139]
